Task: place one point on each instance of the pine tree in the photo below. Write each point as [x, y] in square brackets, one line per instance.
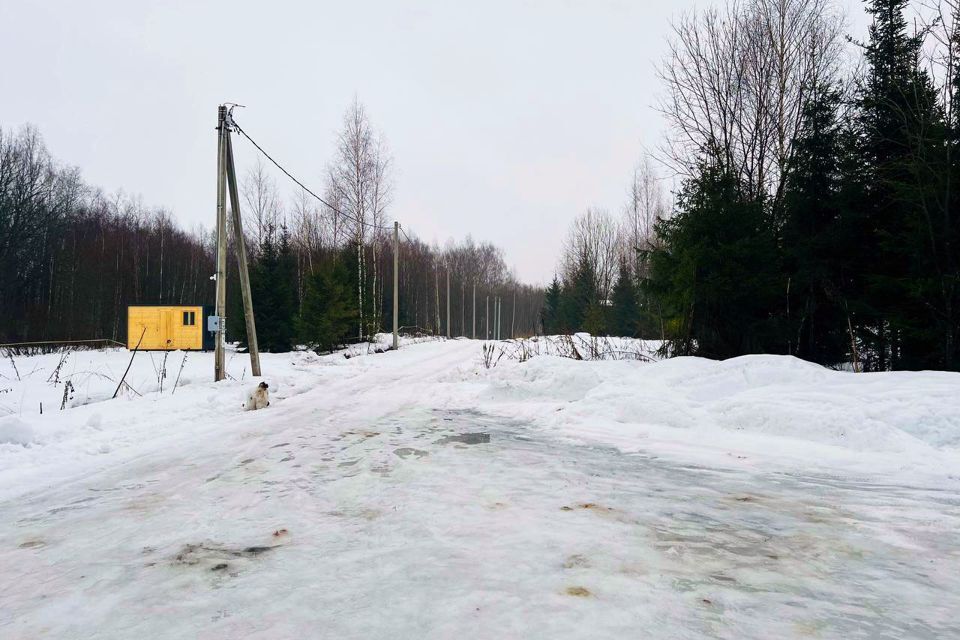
[717, 270]
[813, 246]
[625, 309]
[903, 142]
[274, 289]
[329, 311]
[550, 313]
[579, 301]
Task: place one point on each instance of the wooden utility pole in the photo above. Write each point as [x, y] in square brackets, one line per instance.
[496, 318]
[241, 248]
[396, 285]
[449, 335]
[513, 321]
[474, 310]
[226, 174]
[221, 276]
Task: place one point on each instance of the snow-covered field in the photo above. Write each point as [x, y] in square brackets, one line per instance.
[420, 494]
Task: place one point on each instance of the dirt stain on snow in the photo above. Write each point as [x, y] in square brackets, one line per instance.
[216, 557]
[576, 561]
[465, 438]
[407, 452]
[32, 544]
[578, 592]
[588, 506]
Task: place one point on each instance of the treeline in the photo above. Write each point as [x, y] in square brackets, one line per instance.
[74, 258]
[313, 298]
[816, 211]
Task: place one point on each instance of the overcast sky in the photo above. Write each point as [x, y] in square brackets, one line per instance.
[505, 119]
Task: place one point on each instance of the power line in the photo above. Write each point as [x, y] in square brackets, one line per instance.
[304, 187]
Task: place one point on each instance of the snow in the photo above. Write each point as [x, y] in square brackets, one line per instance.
[420, 494]
[15, 431]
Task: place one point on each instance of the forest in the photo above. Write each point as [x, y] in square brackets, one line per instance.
[813, 214]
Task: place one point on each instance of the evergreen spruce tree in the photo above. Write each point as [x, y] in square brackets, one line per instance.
[550, 313]
[624, 309]
[284, 288]
[329, 310]
[903, 142]
[813, 245]
[717, 271]
[579, 302]
[274, 289]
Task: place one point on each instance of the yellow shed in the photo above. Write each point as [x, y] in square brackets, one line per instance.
[168, 328]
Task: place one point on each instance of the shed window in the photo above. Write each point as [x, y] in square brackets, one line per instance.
[189, 318]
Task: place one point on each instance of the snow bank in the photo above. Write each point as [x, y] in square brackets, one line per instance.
[771, 406]
[15, 431]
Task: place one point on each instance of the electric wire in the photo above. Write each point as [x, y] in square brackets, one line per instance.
[305, 187]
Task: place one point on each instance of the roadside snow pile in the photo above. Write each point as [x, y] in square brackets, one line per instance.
[579, 346]
[15, 431]
[774, 406]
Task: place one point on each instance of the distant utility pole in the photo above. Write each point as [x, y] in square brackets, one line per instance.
[448, 303]
[474, 310]
[396, 285]
[486, 319]
[227, 176]
[436, 282]
[513, 321]
[500, 318]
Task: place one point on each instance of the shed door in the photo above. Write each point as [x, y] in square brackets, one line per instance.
[168, 328]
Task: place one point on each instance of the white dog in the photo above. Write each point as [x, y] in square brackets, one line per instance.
[259, 398]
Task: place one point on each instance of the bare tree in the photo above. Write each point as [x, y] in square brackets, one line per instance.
[264, 207]
[645, 205]
[737, 80]
[593, 237]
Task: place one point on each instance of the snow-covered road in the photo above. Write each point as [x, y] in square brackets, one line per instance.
[384, 503]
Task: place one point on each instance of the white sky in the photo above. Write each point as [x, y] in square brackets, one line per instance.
[505, 119]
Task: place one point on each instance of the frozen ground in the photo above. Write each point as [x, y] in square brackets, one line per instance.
[418, 494]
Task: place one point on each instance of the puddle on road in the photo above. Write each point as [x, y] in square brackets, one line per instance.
[465, 438]
[407, 452]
